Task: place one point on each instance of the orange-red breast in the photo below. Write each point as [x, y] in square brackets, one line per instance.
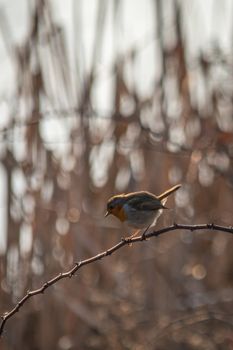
[138, 209]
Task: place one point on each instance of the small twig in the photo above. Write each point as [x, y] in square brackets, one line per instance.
[124, 241]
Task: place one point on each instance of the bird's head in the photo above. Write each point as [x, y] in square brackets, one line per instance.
[115, 207]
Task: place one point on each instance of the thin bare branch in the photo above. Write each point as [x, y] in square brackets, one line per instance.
[124, 241]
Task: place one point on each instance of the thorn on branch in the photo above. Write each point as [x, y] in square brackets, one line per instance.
[108, 252]
[45, 286]
[125, 240]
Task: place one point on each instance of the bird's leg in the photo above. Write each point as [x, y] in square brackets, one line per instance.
[134, 234]
[144, 233]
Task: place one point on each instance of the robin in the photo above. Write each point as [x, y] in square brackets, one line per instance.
[139, 209]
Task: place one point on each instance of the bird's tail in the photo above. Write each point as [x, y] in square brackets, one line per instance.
[168, 192]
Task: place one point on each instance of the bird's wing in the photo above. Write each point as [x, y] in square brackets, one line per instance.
[144, 201]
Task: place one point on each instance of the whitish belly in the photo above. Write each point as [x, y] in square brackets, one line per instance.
[141, 219]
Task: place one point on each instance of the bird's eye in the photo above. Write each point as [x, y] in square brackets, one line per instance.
[110, 206]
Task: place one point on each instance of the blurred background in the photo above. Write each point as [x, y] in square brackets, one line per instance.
[99, 98]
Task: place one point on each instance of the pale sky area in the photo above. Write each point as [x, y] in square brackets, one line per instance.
[206, 22]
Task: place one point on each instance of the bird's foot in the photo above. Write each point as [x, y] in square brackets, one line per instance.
[143, 237]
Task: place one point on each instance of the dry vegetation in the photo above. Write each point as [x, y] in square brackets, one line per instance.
[172, 292]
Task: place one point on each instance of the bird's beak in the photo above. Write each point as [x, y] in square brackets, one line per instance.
[107, 213]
